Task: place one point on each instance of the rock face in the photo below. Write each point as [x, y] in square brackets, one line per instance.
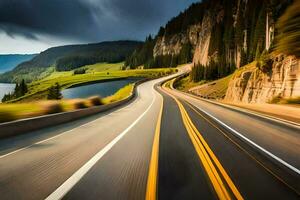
[197, 35]
[251, 85]
[202, 46]
[227, 35]
[172, 45]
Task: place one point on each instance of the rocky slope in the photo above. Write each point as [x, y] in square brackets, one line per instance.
[226, 35]
[251, 85]
[198, 35]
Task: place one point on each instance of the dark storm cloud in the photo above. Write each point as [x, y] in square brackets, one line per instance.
[87, 20]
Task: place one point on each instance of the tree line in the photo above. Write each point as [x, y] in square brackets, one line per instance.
[236, 32]
[20, 90]
[212, 71]
[144, 56]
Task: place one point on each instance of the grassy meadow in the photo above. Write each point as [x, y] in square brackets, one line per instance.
[37, 90]
[34, 103]
[15, 111]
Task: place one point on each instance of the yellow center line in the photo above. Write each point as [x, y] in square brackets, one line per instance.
[244, 150]
[218, 164]
[207, 163]
[153, 167]
[205, 155]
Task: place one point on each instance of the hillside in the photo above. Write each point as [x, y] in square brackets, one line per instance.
[220, 36]
[10, 61]
[228, 33]
[65, 58]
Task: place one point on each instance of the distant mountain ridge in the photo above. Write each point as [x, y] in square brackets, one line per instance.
[10, 61]
[69, 57]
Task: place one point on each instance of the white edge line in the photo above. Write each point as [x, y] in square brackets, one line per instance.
[65, 132]
[247, 111]
[253, 143]
[61, 191]
[248, 140]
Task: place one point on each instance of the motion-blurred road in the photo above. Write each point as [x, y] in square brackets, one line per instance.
[163, 145]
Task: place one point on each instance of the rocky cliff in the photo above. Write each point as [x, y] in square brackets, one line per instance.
[223, 36]
[198, 35]
[172, 45]
[252, 85]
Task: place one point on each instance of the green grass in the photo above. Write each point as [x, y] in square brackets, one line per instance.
[15, 111]
[38, 89]
[295, 100]
[280, 100]
[34, 104]
[119, 95]
[100, 67]
[213, 89]
[185, 84]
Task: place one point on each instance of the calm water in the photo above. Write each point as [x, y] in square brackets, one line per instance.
[6, 88]
[96, 89]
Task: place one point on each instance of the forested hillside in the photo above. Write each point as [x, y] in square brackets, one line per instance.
[217, 35]
[10, 61]
[65, 58]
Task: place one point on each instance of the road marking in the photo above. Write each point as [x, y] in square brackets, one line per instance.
[244, 150]
[253, 143]
[65, 132]
[214, 158]
[205, 154]
[264, 116]
[286, 164]
[61, 191]
[151, 192]
[214, 177]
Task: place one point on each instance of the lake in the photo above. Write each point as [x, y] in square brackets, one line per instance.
[6, 88]
[102, 89]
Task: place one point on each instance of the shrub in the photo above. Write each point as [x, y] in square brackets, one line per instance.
[6, 116]
[52, 107]
[276, 99]
[288, 37]
[95, 101]
[265, 63]
[80, 104]
[293, 100]
[79, 71]
[54, 92]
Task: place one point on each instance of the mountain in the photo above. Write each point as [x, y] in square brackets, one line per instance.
[220, 36]
[70, 57]
[10, 61]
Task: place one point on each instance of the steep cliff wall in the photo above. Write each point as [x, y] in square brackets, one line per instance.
[202, 45]
[251, 85]
[222, 36]
[197, 35]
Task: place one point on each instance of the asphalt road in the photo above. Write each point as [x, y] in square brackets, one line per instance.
[163, 145]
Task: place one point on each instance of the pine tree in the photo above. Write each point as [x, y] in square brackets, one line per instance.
[288, 40]
[23, 87]
[54, 92]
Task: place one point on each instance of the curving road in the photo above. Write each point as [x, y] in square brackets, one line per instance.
[162, 145]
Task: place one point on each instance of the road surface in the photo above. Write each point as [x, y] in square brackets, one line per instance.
[163, 145]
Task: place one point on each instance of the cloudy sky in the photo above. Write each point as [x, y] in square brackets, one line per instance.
[30, 26]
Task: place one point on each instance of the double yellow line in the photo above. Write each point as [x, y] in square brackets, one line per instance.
[222, 183]
[219, 178]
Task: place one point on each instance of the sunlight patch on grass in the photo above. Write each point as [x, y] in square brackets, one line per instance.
[121, 94]
[184, 84]
[99, 67]
[38, 89]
